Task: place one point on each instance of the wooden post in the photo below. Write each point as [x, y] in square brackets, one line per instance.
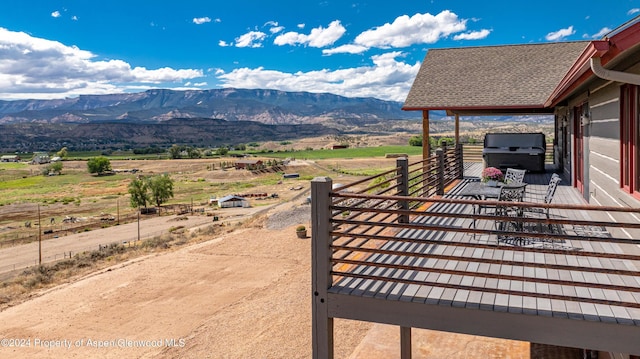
[460, 160]
[403, 186]
[457, 129]
[405, 342]
[425, 135]
[426, 151]
[322, 324]
[440, 173]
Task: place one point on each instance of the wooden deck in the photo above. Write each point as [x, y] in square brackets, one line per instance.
[573, 282]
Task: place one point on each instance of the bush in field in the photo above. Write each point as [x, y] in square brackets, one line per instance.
[415, 141]
[99, 165]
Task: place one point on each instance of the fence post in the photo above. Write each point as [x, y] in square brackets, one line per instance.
[402, 164]
[321, 280]
[460, 160]
[440, 172]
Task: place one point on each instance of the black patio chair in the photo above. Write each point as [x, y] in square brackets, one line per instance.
[548, 197]
[514, 176]
[506, 213]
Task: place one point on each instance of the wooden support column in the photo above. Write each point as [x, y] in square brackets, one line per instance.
[457, 129]
[402, 164]
[425, 134]
[322, 324]
[405, 342]
[440, 172]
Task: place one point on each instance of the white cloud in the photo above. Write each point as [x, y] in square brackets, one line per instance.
[223, 43]
[387, 79]
[418, 29]
[74, 18]
[345, 49]
[633, 11]
[599, 34]
[560, 34]
[56, 14]
[201, 20]
[301, 26]
[318, 37]
[276, 29]
[273, 26]
[32, 67]
[251, 39]
[473, 35]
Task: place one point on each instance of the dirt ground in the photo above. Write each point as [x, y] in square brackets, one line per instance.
[243, 295]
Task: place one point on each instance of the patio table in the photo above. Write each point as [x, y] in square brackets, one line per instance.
[480, 190]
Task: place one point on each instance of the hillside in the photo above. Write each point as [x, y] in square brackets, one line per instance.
[113, 135]
[155, 106]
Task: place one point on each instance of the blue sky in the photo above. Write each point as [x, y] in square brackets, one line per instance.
[56, 49]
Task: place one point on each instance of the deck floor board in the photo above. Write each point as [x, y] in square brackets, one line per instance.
[483, 285]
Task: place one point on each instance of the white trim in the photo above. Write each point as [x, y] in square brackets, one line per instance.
[616, 202]
[617, 99]
[605, 156]
[616, 141]
[606, 120]
[604, 174]
[601, 87]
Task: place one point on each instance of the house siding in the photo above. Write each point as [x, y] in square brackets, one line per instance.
[604, 145]
[602, 151]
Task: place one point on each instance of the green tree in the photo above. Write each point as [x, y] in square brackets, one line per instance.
[194, 152]
[161, 188]
[52, 168]
[175, 152]
[415, 141]
[56, 167]
[139, 191]
[63, 152]
[222, 151]
[99, 165]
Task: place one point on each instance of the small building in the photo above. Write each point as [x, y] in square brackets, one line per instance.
[248, 164]
[291, 175]
[10, 158]
[40, 158]
[233, 201]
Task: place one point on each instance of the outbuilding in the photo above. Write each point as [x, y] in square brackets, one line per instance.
[10, 158]
[233, 201]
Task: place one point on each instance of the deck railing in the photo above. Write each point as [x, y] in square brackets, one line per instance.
[403, 230]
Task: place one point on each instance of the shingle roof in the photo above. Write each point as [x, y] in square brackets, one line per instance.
[509, 76]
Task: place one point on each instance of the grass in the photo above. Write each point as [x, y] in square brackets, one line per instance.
[361, 152]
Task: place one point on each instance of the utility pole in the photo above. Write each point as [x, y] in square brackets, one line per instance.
[39, 238]
[138, 223]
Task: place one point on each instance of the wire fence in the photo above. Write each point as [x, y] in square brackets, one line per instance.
[54, 257]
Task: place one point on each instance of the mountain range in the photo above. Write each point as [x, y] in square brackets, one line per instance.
[155, 106]
[195, 117]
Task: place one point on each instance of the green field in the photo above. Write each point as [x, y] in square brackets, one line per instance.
[361, 152]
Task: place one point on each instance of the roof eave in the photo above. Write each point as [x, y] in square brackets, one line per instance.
[486, 110]
[606, 50]
[578, 73]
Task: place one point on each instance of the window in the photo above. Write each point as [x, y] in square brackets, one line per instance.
[630, 139]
